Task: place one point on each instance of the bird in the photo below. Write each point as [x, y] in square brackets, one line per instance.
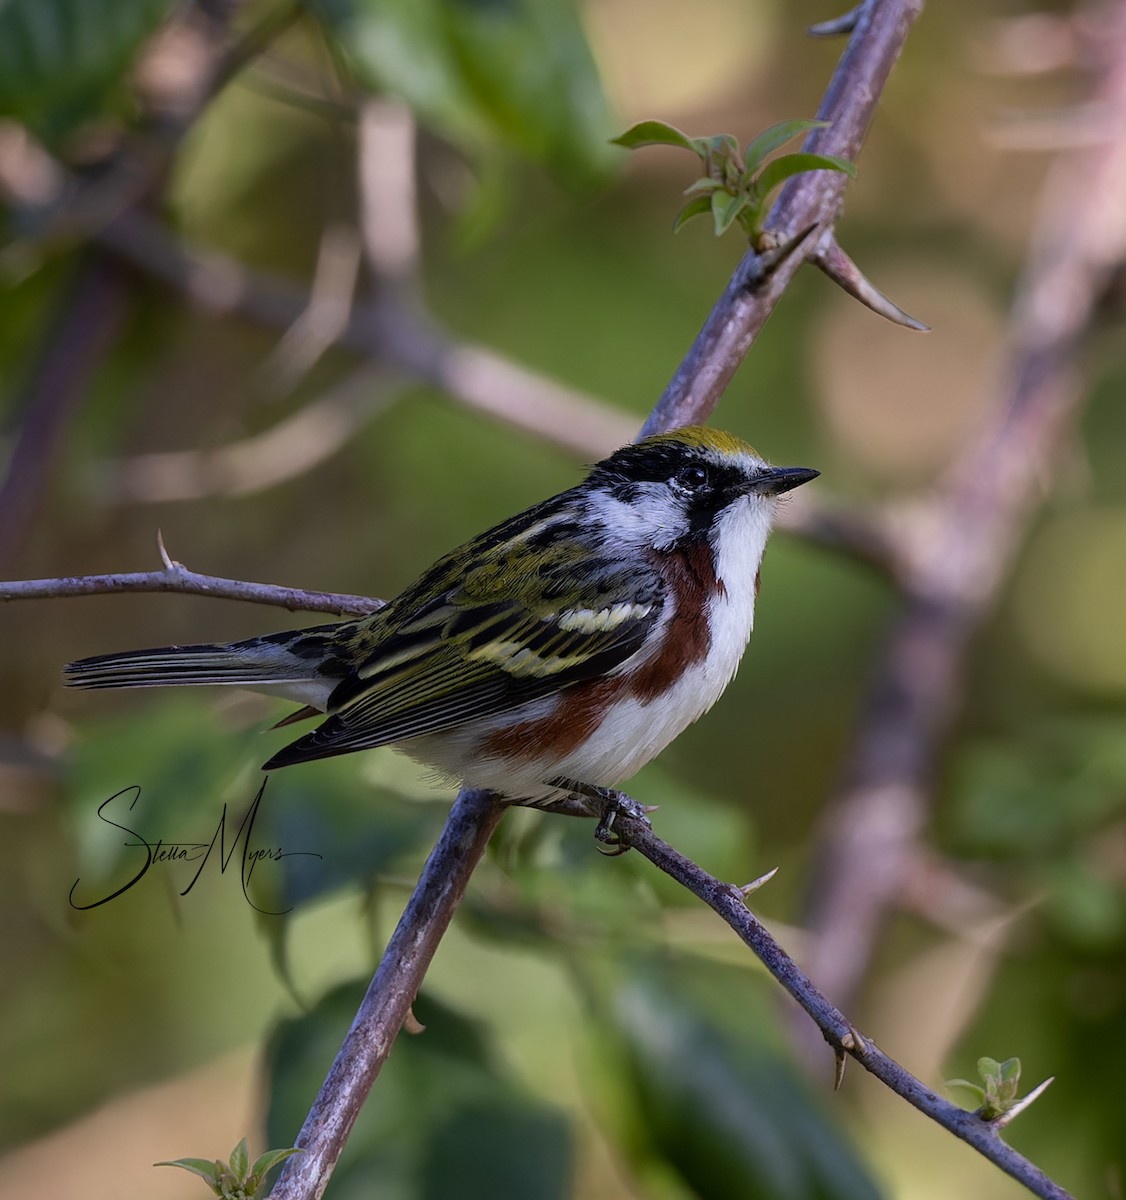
[554, 654]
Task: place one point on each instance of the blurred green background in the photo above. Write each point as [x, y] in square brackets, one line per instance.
[591, 1032]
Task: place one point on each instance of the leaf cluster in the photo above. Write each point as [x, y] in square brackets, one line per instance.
[997, 1093]
[737, 184]
[237, 1178]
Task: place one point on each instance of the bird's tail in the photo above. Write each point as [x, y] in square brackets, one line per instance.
[290, 664]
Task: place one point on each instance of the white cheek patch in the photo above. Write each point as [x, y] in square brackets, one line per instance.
[656, 519]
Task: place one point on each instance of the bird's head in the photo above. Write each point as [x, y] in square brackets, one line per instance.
[692, 483]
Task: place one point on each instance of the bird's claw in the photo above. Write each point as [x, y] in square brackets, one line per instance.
[607, 804]
[613, 805]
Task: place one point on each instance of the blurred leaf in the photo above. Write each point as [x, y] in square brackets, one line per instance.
[240, 1160]
[205, 1168]
[712, 1097]
[780, 169]
[1087, 903]
[1038, 793]
[59, 58]
[1049, 803]
[513, 72]
[337, 831]
[265, 1163]
[185, 761]
[447, 1120]
[1000, 1083]
[777, 135]
[721, 145]
[654, 133]
[485, 1150]
[703, 184]
[697, 207]
[725, 208]
[358, 831]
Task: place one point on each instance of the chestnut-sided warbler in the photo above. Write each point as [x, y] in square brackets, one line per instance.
[557, 652]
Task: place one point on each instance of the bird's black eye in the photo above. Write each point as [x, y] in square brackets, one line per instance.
[692, 478]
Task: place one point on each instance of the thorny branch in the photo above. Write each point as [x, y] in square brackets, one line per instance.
[879, 28]
[729, 902]
[177, 578]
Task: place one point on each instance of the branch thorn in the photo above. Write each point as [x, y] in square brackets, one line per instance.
[773, 254]
[837, 26]
[841, 1061]
[850, 1042]
[749, 888]
[1011, 1114]
[854, 1041]
[844, 272]
[170, 563]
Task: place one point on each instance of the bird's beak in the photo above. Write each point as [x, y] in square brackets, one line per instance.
[773, 481]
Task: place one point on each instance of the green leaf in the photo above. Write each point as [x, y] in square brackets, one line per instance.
[1001, 1083]
[780, 169]
[240, 1160]
[696, 207]
[60, 58]
[704, 184]
[486, 1149]
[654, 133]
[205, 1168]
[516, 74]
[264, 1164]
[979, 1094]
[777, 135]
[1002, 1080]
[725, 208]
[722, 145]
[268, 1161]
[452, 1120]
[701, 1089]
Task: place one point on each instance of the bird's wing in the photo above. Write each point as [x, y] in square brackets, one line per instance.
[482, 647]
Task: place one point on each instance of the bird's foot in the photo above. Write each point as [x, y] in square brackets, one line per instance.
[607, 804]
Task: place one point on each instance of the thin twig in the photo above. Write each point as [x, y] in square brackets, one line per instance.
[962, 548]
[728, 901]
[178, 578]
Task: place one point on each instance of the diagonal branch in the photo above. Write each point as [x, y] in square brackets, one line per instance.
[814, 198]
[729, 902]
